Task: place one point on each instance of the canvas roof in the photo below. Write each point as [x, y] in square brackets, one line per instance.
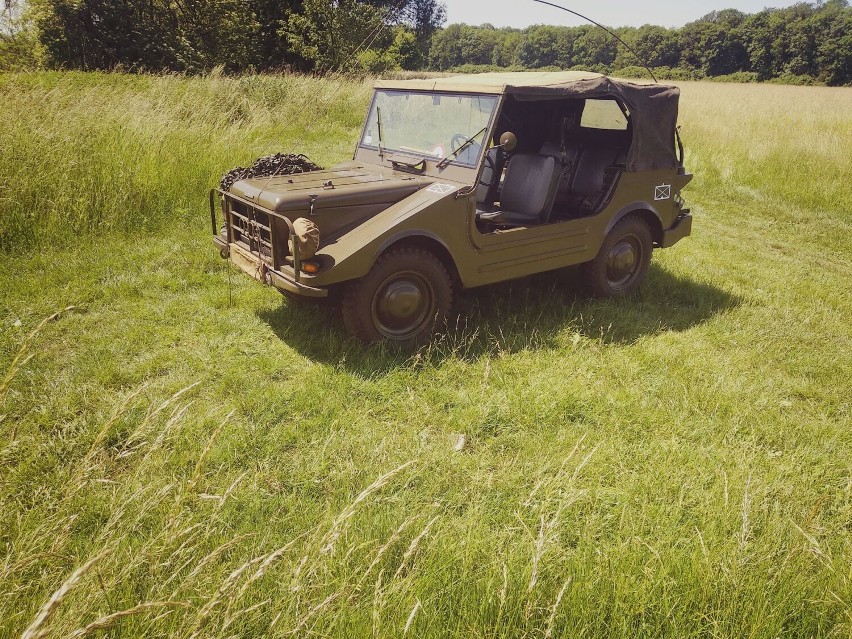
[653, 107]
[490, 82]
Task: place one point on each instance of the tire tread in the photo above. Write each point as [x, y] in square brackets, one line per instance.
[593, 272]
[354, 319]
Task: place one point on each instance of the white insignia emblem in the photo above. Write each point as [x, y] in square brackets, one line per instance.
[442, 189]
[663, 192]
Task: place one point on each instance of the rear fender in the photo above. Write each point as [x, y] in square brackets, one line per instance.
[646, 211]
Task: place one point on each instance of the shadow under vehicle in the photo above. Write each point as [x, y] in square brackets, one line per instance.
[465, 181]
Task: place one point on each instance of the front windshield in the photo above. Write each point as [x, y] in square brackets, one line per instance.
[429, 125]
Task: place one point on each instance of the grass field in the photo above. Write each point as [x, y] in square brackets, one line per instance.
[185, 454]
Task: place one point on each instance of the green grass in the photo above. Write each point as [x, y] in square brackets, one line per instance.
[85, 152]
[678, 464]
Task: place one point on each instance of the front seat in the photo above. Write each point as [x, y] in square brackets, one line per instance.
[529, 189]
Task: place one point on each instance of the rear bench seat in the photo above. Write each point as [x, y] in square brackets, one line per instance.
[584, 173]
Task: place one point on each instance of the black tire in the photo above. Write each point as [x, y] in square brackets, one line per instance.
[622, 263]
[405, 298]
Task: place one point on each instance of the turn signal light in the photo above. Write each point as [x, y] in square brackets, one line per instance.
[310, 267]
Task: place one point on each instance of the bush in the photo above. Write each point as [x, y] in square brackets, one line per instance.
[633, 71]
[401, 74]
[18, 52]
[677, 74]
[795, 80]
[478, 68]
[740, 77]
[373, 61]
[594, 68]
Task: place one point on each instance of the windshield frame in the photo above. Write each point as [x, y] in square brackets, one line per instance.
[452, 168]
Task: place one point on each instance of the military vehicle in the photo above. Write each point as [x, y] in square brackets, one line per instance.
[463, 181]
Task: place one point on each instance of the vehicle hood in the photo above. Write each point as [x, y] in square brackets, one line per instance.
[344, 186]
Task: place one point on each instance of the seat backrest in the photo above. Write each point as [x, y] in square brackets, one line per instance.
[568, 159]
[485, 181]
[589, 176]
[554, 149]
[530, 185]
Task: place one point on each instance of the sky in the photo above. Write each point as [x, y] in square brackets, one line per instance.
[612, 13]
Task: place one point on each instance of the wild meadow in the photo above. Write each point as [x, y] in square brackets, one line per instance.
[184, 453]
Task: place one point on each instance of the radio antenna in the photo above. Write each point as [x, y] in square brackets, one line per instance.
[627, 46]
[598, 24]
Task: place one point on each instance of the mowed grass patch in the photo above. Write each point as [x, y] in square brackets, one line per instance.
[676, 464]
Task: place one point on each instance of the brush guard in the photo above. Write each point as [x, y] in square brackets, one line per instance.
[257, 242]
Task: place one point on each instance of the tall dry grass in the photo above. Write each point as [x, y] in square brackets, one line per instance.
[89, 153]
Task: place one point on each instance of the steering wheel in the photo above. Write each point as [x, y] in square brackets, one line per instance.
[456, 141]
[489, 163]
[470, 153]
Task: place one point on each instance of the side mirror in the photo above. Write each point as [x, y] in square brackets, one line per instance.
[508, 141]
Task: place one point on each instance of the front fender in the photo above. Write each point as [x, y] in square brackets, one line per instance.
[353, 255]
[409, 233]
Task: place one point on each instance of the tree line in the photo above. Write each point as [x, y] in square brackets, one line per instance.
[192, 36]
[803, 43]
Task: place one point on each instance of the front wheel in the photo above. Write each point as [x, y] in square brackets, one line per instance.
[622, 262]
[404, 298]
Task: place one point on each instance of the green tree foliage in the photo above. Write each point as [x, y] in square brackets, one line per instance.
[460, 42]
[18, 42]
[423, 17]
[805, 42]
[375, 35]
[595, 48]
[446, 47]
[539, 48]
[712, 48]
[802, 43]
[270, 50]
[328, 33]
[237, 35]
[658, 46]
[834, 47]
[181, 35]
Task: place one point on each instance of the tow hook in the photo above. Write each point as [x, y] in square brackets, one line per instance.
[264, 274]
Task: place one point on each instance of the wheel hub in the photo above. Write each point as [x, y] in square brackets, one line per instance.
[401, 301]
[402, 306]
[622, 262]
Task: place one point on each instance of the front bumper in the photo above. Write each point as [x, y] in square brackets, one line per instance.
[253, 255]
[679, 230]
[260, 271]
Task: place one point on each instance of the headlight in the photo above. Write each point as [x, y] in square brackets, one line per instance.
[309, 238]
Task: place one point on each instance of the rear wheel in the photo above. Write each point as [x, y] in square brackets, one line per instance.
[623, 260]
[404, 298]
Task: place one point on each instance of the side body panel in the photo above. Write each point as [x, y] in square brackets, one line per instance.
[519, 252]
[486, 258]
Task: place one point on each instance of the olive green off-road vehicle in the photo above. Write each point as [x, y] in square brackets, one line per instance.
[464, 181]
